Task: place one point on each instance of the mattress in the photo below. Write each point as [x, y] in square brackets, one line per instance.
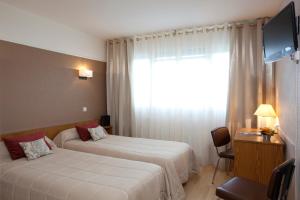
[71, 175]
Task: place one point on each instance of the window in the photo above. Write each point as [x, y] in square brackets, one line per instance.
[192, 82]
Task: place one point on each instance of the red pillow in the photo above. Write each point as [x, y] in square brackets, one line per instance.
[13, 147]
[83, 132]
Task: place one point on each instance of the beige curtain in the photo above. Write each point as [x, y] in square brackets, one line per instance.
[119, 53]
[251, 82]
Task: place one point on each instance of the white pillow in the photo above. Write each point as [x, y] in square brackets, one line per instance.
[5, 159]
[97, 133]
[4, 154]
[35, 149]
[64, 136]
[50, 142]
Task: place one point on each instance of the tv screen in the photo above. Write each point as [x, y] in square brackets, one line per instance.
[280, 35]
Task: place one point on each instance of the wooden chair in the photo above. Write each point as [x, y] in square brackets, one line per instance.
[221, 137]
[243, 189]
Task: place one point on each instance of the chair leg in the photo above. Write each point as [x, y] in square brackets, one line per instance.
[228, 167]
[215, 171]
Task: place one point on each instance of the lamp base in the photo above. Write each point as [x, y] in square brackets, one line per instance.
[266, 122]
[266, 137]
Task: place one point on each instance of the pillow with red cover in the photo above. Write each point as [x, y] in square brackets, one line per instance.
[83, 131]
[13, 146]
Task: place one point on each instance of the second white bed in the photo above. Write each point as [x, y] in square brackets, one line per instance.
[176, 158]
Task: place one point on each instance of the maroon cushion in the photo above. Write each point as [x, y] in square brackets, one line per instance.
[13, 147]
[83, 132]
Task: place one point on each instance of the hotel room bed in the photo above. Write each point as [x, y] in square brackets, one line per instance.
[174, 157]
[71, 175]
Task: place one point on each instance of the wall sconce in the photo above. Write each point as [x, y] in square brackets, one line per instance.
[85, 74]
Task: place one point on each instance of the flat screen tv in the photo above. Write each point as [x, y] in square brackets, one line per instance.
[280, 35]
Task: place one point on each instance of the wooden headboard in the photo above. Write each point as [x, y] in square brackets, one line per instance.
[52, 131]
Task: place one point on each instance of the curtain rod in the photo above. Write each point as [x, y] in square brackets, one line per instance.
[174, 32]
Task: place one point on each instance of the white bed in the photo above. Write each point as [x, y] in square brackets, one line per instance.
[176, 158]
[71, 175]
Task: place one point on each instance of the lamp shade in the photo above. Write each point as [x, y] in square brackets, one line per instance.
[265, 110]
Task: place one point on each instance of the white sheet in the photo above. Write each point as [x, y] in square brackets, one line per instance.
[70, 175]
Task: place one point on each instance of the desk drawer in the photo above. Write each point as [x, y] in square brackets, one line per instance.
[256, 161]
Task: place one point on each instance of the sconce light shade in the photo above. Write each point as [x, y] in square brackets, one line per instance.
[85, 73]
[265, 110]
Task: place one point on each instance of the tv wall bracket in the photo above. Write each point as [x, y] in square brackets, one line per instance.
[298, 24]
[296, 56]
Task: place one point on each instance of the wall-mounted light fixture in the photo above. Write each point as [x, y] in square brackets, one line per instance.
[85, 74]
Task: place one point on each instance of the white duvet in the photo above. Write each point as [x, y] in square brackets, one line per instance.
[70, 175]
[176, 158]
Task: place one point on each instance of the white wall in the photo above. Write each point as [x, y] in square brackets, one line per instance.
[22, 27]
[298, 116]
[288, 90]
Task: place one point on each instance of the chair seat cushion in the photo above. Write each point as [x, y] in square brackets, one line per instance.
[227, 154]
[242, 189]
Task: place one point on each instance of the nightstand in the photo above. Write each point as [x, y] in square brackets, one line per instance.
[256, 158]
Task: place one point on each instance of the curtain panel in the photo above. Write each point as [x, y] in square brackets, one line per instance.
[119, 57]
[179, 87]
[251, 82]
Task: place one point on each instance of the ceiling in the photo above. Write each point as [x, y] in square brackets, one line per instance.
[118, 18]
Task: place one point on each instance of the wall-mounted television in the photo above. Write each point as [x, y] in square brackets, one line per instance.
[280, 35]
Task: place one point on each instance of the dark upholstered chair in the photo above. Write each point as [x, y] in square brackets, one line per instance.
[243, 189]
[221, 137]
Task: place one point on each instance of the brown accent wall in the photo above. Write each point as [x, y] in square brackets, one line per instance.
[40, 88]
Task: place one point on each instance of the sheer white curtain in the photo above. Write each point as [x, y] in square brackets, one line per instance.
[179, 84]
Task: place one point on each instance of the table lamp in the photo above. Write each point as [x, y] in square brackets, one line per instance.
[265, 116]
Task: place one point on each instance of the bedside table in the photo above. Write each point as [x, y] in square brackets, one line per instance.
[256, 158]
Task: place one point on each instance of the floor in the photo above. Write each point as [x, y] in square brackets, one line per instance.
[200, 187]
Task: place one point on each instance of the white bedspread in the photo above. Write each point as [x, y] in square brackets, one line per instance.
[176, 158]
[70, 175]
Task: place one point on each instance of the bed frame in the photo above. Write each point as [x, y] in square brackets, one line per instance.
[52, 131]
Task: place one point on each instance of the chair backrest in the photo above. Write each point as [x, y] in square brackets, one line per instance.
[220, 136]
[280, 180]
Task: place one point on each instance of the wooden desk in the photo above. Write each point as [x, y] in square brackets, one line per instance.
[255, 158]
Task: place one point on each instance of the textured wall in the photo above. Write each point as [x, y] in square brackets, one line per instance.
[287, 100]
[286, 88]
[40, 88]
